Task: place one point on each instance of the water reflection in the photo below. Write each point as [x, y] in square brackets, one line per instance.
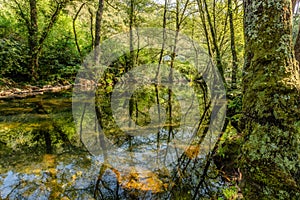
[166, 171]
[153, 139]
[153, 159]
[42, 156]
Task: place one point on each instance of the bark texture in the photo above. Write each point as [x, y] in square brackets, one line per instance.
[33, 39]
[271, 111]
[233, 49]
[99, 15]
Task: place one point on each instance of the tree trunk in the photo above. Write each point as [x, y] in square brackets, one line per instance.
[233, 49]
[98, 22]
[294, 4]
[270, 120]
[75, 33]
[33, 39]
[297, 43]
[297, 47]
[35, 43]
[131, 22]
[214, 40]
[91, 28]
[203, 21]
[99, 15]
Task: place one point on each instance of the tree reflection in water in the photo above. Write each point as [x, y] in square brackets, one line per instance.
[173, 160]
[163, 164]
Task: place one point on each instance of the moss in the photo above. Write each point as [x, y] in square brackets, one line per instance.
[267, 182]
[270, 152]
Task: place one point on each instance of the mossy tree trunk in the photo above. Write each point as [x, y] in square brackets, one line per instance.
[271, 111]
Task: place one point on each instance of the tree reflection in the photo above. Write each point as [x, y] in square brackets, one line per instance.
[169, 158]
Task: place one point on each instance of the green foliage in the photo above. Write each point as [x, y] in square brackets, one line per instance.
[230, 193]
[13, 60]
[13, 48]
[59, 50]
[59, 60]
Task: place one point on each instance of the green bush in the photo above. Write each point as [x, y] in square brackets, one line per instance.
[13, 60]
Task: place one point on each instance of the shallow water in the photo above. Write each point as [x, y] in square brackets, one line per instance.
[43, 157]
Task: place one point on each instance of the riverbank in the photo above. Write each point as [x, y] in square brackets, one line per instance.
[10, 89]
[29, 90]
